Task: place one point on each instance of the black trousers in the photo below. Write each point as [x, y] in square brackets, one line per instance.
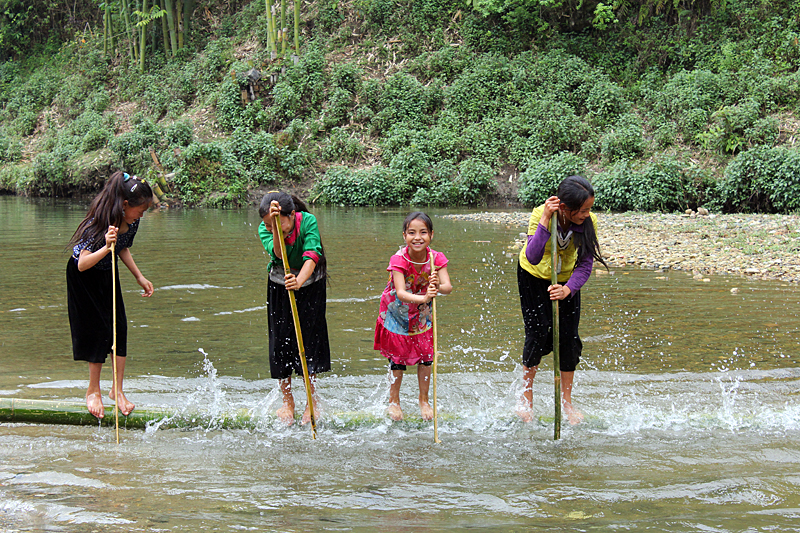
[537, 314]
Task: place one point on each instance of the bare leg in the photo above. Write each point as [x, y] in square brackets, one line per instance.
[125, 407]
[94, 398]
[424, 378]
[312, 378]
[395, 413]
[525, 404]
[573, 415]
[286, 412]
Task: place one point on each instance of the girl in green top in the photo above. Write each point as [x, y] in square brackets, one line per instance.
[307, 278]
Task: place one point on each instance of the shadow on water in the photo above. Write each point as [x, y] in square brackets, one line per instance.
[689, 390]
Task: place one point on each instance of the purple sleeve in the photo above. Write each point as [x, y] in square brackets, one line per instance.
[536, 243]
[580, 274]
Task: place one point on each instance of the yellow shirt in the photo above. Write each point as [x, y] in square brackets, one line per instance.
[567, 257]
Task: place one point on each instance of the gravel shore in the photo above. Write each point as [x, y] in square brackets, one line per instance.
[759, 246]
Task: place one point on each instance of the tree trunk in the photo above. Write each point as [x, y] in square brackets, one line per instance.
[271, 44]
[172, 20]
[143, 40]
[126, 15]
[283, 27]
[164, 32]
[188, 9]
[297, 27]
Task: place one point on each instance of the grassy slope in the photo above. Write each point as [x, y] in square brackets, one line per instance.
[695, 94]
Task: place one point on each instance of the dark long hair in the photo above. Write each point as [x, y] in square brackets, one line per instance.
[573, 192]
[418, 215]
[107, 207]
[289, 203]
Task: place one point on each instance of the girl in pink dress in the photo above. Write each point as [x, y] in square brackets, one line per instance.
[403, 332]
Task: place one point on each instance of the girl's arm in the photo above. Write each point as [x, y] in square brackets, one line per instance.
[442, 281]
[87, 259]
[403, 295]
[295, 282]
[127, 258]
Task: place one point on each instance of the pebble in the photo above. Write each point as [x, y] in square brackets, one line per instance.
[756, 246]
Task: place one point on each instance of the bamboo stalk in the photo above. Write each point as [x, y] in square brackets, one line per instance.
[114, 344]
[556, 358]
[298, 333]
[435, 362]
[297, 27]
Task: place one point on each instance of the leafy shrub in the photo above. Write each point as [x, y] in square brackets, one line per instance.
[762, 179]
[179, 133]
[402, 101]
[10, 149]
[624, 140]
[133, 147]
[341, 146]
[211, 175]
[16, 178]
[543, 176]
[605, 102]
[96, 138]
[363, 187]
[665, 184]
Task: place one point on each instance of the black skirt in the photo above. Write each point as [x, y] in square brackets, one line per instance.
[537, 313]
[89, 302]
[283, 354]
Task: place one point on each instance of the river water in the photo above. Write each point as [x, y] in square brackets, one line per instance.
[690, 391]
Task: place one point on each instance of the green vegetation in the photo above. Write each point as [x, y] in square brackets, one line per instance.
[663, 105]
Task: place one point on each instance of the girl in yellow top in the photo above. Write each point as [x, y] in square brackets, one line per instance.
[577, 250]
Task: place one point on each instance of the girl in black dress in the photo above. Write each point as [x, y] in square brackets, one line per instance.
[113, 217]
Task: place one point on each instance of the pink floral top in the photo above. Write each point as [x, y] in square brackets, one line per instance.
[404, 318]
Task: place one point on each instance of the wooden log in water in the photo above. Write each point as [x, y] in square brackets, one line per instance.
[75, 413]
[72, 413]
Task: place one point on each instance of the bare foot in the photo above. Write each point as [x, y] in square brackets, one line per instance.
[574, 416]
[94, 402]
[286, 413]
[524, 409]
[125, 407]
[395, 413]
[524, 413]
[307, 415]
[426, 410]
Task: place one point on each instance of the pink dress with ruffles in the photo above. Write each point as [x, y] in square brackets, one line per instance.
[403, 331]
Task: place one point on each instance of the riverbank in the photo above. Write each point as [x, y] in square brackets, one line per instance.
[759, 246]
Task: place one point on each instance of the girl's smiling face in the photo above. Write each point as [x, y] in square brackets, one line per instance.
[578, 216]
[287, 223]
[132, 214]
[417, 236]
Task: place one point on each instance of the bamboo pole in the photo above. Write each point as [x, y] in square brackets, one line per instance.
[556, 358]
[114, 344]
[435, 361]
[297, 27]
[298, 333]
